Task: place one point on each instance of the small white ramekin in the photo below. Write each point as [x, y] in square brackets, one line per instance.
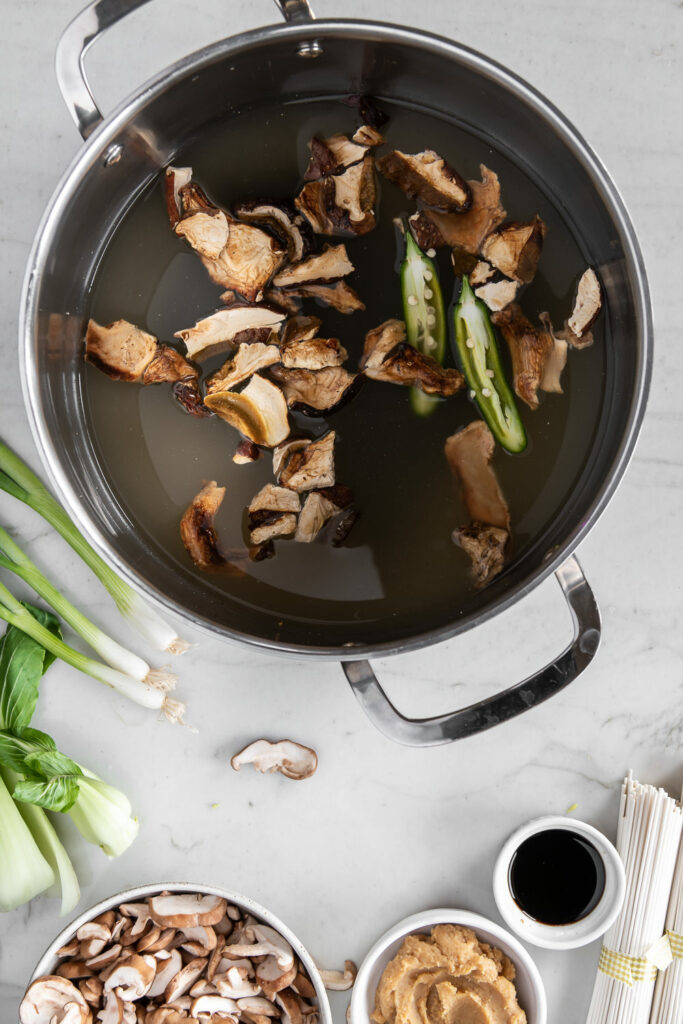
[49, 960]
[568, 936]
[528, 981]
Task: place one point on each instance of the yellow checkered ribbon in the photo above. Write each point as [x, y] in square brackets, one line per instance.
[676, 944]
[629, 969]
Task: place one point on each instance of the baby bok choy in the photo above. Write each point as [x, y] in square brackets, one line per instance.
[35, 776]
[18, 480]
[477, 349]
[423, 313]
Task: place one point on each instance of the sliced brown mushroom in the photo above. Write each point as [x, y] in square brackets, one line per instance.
[168, 367]
[113, 1009]
[556, 361]
[175, 179]
[331, 263]
[291, 1007]
[286, 301]
[263, 1007]
[46, 1000]
[105, 958]
[272, 513]
[246, 453]
[468, 230]
[587, 305]
[339, 296]
[188, 395]
[186, 910]
[340, 981]
[120, 349]
[428, 177]
[198, 532]
[380, 341]
[218, 1008]
[91, 990]
[228, 327]
[316, 391]
[485, 546]
[291, 759]
[497, 294]
[248, 360]
[469, 453]
[299, 328]
[313, 353]
[284, 221]
[166, 971]
[132, 978]
[234, 984]
[336, 153]
[184, 979]
[342, 202]
[93, 937]
[274, 978]
[319, 507]
[515, 249]
[405, 365]
[529, 348]
[308, 464]
[259, 411]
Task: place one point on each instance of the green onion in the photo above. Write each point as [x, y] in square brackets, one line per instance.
[423, 312]
[150, 696]
[18, 480]
[108, 649]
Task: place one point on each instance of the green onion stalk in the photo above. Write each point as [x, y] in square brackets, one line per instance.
[18, 480]
[14, 560]
[145, 694]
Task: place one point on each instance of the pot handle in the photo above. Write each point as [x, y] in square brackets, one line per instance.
[81, 33]
[457, 725]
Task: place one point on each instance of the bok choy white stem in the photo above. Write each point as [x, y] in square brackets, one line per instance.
[108, 649]
[18, 480]
[24, 871]
[13, 612]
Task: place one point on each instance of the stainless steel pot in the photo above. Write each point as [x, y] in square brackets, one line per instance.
[323, 58]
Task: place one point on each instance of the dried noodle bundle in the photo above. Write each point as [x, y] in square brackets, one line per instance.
[667, 1007]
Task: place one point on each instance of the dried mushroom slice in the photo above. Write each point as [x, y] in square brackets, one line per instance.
[587, 305]
[207, 232]
[481, 273]
[120, 349]
[339, 296]
[290, 227]
[338, 152]
[551, 381]
[175, 179]
[468, 230]
[529, 348]
[515, 249]
[198, 533]
[188, 395]
[485, 546]
[317, 510]
[259, 411]
[248, 360]
[308, 465]
[405, 365]
[272, 513]
[168, 366]
[427, 177]
[299, 328]
[497, 294]
[228, 327]
[343, 202]
[248, 260]
[333, 262]
[316, 391]
[294, 761]
[246, 453]
[469, 452]
[313, 353]
[380, 341]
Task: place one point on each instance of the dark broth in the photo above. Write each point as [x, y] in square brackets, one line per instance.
[399, 561]
[557, 877]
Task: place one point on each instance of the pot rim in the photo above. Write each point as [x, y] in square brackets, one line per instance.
[92, 152]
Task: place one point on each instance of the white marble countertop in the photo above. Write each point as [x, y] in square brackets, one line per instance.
[382, 831]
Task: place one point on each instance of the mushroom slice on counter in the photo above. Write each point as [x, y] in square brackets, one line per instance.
[469, 453]
[308, 464]
[246, 452]
[529, 348]
[316, 391]
[339, 296]
[427, 177]
[47, 999]
[556, 361]
[468, 230]
[176, 178]
[228, 327]
[199, 536]
[120, 349]
[284, 221]
[186, 910]
[248, 360]
[380, 341]
[485, 546]
[341, 202]
[291, 759]
[272, 513]
[340, 981]
[259, 411]
[515, 249]
[321, 506]
[405, 365]
[331, 263]
[587, 305]
[497, 294]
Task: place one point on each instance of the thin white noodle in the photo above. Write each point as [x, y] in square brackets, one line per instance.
[667, 1005]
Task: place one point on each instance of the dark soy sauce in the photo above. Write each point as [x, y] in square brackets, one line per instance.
[557, 877]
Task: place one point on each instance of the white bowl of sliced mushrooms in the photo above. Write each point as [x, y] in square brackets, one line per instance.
[176, 954]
